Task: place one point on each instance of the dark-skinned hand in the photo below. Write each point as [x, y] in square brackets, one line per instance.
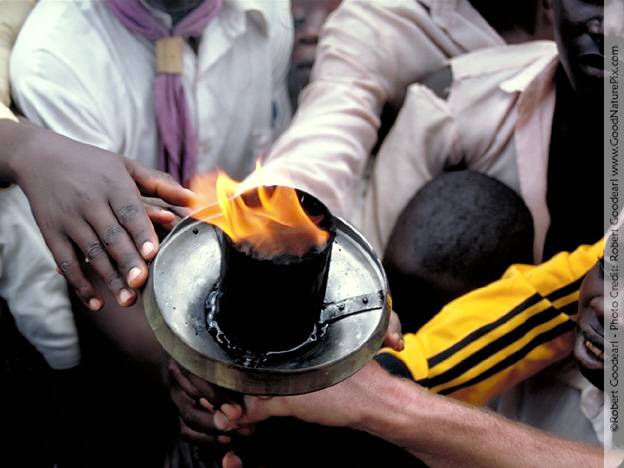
[201, 407]
[88, 200]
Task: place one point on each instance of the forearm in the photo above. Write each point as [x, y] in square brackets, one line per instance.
[336, 124]
[443, 432]
[20, 144]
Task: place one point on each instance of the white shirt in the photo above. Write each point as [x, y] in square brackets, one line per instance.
[78, 71]
[35, 293]
[369, 53]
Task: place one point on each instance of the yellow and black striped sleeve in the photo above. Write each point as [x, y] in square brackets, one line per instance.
[483, 343]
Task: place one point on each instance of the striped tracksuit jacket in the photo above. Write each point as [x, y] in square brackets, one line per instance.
[483, 343]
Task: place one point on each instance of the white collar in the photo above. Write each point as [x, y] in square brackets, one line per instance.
[541, 69]
[258, 10]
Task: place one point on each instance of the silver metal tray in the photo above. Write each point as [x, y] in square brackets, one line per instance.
[186, 269]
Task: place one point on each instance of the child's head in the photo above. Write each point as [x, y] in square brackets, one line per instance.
[459, 232]
[589, 343]
[579, 32]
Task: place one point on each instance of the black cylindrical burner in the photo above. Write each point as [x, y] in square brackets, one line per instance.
[273, 304]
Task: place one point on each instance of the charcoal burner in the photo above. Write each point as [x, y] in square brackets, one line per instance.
[274, 326]
[263, 305]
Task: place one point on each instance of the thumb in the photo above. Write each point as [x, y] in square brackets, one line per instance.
[394, 337]
[259, 408]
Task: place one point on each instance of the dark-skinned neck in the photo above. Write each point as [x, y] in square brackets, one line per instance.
[516, 21]
[177, 9]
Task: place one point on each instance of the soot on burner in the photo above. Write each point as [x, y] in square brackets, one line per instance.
[264, 305]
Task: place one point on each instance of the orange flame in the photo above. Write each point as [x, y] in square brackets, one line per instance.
[272, 223]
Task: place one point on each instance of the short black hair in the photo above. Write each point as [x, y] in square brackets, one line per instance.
[459, 232]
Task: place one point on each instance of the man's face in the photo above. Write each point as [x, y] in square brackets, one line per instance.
[579, 33]
[589, 343]
[309, 17]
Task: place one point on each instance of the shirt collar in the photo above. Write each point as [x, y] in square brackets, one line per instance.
[534, 84]
[258, 11]
[541, 70]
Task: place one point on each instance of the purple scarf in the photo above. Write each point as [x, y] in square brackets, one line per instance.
[177, 146]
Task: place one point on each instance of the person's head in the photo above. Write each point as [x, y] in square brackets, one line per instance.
[579, 33]
[309, 17]
[589, 342]
[459, 232]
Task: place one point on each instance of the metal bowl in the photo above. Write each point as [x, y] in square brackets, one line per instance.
[186, 269]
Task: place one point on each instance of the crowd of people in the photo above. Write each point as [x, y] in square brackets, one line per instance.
[463, 138]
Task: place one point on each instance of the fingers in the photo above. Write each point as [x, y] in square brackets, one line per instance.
[82, 234]
[197, 402]
[120, 248]
[217, 396]
[158, 184]
[197, 415]
[194, 416]
[179, 211]
[69, 266]
[196, 437]
[159, 215]
[231, 460]
[176, 372]
[131, 214]
[394, 337]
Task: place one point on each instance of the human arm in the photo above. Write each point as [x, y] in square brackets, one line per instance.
[82, 195]
[369, 52]
[483, 343]
[437, 430]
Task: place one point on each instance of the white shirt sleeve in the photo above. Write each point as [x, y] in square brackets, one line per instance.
[41, 82]
[370, 51]
[35, 293]
[281, 50]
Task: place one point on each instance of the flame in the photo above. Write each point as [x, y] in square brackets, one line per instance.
[269, 220]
